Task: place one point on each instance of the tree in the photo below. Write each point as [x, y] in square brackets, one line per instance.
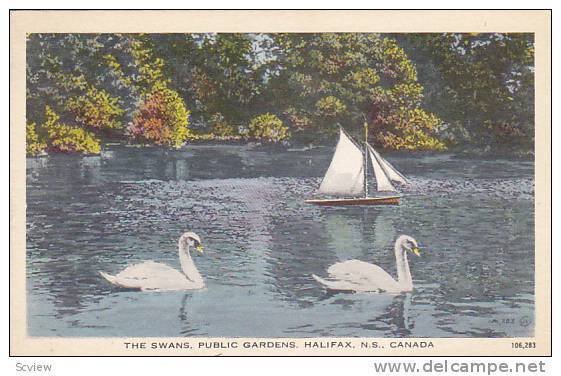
[268, 128]
[322, 80]
[161, 118]
[219, 74]
[482, 84]
[67, 139]
[96, 109]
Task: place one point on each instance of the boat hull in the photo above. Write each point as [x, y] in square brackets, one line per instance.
[389, 200]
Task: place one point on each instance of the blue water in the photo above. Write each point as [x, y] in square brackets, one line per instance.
[473, 218]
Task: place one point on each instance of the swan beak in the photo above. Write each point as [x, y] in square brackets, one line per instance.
[200, 248]
[416, 251]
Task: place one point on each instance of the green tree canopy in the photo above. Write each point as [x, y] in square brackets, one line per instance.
[416, 91]
[482, 84]
[322, 80]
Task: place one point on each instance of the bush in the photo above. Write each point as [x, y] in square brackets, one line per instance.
[268, 127]
[34, 143]
[297, 120]
[221, 128]
[161, 118]
[96, 109]
[67, 139]
[413, 130]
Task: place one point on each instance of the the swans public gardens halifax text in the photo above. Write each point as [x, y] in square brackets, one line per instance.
[275, 344]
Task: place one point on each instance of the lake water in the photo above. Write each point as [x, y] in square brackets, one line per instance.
[473, 218]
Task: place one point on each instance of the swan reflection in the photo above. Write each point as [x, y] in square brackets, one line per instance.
[396, 320]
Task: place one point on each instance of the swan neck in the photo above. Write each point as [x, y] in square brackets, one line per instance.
[187, 265]
[402, 265]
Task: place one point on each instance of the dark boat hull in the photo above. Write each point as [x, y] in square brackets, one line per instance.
[389, 200]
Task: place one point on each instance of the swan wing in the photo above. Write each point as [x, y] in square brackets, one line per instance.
[151, 275]
[148, 269]
[336, 285]
[369, 277]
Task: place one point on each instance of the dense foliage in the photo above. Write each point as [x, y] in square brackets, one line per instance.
[481, 85]
[416, 91]
[96, 109]
[330, 79]
[68, 139]
[161, 118]
[268, 128]
[34, 143]
[222, 128]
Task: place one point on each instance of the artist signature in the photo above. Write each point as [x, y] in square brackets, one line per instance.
[523, 321]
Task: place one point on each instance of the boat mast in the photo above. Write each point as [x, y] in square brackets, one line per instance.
[365, 158]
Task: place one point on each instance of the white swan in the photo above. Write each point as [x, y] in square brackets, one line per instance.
[153, 276]
[360, 276]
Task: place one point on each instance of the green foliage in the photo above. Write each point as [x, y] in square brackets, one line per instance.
[150, 67]
[298, 119]
[218, 73]
[363, 78]
[330, 107]
[161, 118]
[268, 128]
[67, 139]
[484, 84]
[328, 79]
[221, 128]
[397, 121]
[34, 143]
[300, 122]
[413, 129]
[96, 109]
[480, 85]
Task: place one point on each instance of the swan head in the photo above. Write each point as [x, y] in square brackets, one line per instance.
[409, 244]
[190, 239]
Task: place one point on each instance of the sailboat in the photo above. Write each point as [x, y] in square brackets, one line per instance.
[347, 175]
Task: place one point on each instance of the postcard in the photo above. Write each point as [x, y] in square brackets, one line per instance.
[350, 183]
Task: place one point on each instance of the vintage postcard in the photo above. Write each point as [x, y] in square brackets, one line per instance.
[196, 183]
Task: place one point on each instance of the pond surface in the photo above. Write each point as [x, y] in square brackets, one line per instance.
[473, 218]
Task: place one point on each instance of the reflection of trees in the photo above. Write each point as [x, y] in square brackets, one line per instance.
[184, 165]
[176, 169]
[129, 164]
[35, 168]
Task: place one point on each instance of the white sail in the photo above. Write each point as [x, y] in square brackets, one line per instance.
[345, 175]
[390, 171]
[383, 182]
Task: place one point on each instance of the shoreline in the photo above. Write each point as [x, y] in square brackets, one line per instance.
[477, 152]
